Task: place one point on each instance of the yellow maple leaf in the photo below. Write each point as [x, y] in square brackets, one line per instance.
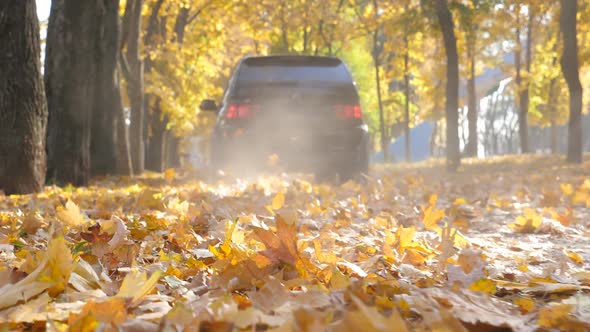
[278, 201]
[460, 201]
[406, 237]
[576, 258]
[527, 223]
[136, 285]
[567, 189]
[432, 216]
[554, 316]
[110, 311]
[486, 286]
[525, 304]
[86, 323]
[70, 215]
[169, 175]
[60, 264]
[53, 273]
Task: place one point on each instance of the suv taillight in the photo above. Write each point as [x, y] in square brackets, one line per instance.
[348, 111]
[241, 111]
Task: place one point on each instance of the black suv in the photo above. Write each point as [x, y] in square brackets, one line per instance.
[302, 110]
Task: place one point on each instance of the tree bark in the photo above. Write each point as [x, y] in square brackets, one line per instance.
[570, 68]
[446, 23]
[472, 109]
[134, 74]
[23, 108]
[70, 78]
[108, 105]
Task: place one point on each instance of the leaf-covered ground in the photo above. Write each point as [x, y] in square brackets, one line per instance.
[503, 245]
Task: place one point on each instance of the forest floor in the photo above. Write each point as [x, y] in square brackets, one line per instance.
[501, 245]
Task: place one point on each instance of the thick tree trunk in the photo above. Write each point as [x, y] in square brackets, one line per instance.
[445, 20]
[70, 77]
[472, 142]
[570, 69]
[107, 106]
[154, 157]
[23, 109]
[134, 73]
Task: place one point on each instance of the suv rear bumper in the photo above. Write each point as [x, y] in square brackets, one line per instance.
[236, 148]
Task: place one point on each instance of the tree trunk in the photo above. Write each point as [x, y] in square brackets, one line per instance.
[172, 151]
[384, 145]
[154, 157]
[553, 137]
[570, 69]
[133, 66]
[124, 161]
[551, 106]
[180, 25]
[445, 20]
[407, 97]
[518, 78]
[70, 77]
[23, 108]
[284, 32]
[376, 52]
[472, 103]
[433, 140]
[524, 90]
[156, 154]
[108, 105]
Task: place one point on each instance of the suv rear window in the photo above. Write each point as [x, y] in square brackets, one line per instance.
[289, 69]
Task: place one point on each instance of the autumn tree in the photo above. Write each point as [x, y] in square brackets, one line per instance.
[371, 21]
[548, 95]
[82, 89]
[154, 36]
[133, 68]
[107, 114]
[570, 68]
[473, 17]
[523, 83]
[23, 109]
[447, 26]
